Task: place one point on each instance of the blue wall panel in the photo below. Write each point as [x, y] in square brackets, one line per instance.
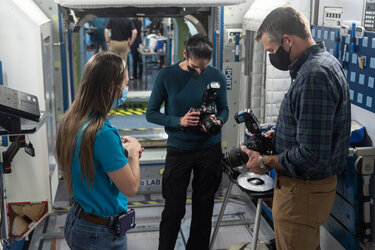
[361, 81]
[347, 182]
[346, 239]
[345, 213]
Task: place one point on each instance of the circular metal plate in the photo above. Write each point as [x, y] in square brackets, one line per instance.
[255, 182]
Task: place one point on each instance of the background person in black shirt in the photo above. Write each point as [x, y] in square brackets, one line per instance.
[123, 34]
[137, 59]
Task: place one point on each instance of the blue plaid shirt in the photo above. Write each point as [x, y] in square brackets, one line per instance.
[313, 129]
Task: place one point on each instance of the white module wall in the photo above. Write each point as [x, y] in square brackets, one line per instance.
[24, 30]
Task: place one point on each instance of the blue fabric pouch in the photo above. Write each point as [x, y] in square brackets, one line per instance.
[357, 133]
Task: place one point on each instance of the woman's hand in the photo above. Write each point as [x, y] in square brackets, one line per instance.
[203, 128]
[133, 146]
[190, 119]
[127, 178]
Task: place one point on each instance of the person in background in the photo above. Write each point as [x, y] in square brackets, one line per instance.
[98, 37]
[190, 149]
[92, 158]
[123, 35]
[312, 134]
[157, 27]
[137, 58]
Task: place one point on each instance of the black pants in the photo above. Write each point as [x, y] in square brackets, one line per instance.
[99, 44]
[206, 167]
[137, 61]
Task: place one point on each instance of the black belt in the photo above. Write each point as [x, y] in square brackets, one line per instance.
[304, 178]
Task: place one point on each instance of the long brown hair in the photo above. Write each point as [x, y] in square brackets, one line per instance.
[102, 76]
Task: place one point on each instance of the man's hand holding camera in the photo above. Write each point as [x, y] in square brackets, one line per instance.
[269, 133]
[253, 162]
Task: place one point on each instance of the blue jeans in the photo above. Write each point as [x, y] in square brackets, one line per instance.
[81, 234]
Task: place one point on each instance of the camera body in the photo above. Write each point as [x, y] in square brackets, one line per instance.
[205, 111]
[257, 142]
[212, 127]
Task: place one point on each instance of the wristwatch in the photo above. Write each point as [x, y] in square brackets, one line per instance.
[263, 167]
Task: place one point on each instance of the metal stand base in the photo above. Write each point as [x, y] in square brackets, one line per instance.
[221, 214]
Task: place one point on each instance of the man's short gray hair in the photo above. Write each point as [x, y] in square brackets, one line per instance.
[284, 20]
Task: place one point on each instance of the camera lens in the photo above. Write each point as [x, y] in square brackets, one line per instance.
[236, 157]
[212, 127]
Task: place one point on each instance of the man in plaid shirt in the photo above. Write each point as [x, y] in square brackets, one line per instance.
[312, 134]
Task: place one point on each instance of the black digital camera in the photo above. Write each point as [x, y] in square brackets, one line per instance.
[205, 111]
[257, 142]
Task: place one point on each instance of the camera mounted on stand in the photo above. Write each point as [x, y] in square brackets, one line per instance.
[205, 111]
[257, 142]
[254, 185]
[258, 185]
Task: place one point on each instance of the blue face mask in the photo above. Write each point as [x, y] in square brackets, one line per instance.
[118, 102]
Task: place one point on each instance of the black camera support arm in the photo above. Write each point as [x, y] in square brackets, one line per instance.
[17, 143]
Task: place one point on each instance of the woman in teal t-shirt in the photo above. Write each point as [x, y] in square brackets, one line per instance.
[91, 156]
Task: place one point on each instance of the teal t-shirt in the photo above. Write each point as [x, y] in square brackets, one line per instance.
[102, 198]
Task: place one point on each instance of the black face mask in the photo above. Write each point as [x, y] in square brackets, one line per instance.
[194, 73]
[280, 59]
